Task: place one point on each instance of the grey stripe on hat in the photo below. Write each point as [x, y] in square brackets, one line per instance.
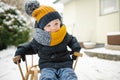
[42, 37]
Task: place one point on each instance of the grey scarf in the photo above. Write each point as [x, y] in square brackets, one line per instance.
[42, 37]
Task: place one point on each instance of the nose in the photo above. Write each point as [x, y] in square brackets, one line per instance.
[53, 28]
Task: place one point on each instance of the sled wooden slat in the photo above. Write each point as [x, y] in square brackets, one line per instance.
[21, 72]
[78, 55]
[26, 64]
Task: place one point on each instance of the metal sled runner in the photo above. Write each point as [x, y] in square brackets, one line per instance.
[32, 71]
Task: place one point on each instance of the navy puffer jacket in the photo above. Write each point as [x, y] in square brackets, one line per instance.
[57, 56]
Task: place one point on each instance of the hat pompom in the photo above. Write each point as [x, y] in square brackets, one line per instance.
[30, 6]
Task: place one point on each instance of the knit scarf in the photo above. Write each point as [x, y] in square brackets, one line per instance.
[50, 38]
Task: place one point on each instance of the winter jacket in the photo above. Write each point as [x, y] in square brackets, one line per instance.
[57, 56]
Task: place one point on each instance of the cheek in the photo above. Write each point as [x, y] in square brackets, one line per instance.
[58, 27]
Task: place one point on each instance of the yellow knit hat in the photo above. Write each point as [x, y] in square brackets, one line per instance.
[43, 14]
[42, 11]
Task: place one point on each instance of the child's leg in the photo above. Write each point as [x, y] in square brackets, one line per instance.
[67, 74]
[48, 74]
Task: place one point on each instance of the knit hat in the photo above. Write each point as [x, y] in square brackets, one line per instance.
[43, 14]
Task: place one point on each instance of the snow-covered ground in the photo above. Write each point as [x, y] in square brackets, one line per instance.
[88, 68]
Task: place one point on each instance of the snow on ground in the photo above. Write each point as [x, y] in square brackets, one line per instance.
[8, 70]
[92, 68]
[88, 68]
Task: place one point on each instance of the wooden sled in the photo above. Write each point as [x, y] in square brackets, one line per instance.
[32, 71]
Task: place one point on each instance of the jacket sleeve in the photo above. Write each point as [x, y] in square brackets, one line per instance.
[24, 49]
[73, 44]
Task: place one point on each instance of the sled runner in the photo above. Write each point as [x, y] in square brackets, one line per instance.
[32, 71]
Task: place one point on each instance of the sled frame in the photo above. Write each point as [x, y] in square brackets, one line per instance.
[33, 70]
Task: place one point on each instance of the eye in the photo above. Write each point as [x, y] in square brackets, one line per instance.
[56, 23]
[48, 25]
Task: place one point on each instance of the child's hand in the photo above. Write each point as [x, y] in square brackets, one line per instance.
[17, 59]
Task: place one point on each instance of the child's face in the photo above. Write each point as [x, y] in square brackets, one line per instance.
[53, 26]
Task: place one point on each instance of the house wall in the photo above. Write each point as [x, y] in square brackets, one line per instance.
[86, 20]
[69, 16]
[83, 20]
[105, 24]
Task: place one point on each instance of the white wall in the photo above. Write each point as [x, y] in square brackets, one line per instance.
[105, 24]
[79, 16]
[69, 16]
[86, 20]
[83, 21]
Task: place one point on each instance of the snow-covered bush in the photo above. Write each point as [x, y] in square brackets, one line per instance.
[13, 26]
